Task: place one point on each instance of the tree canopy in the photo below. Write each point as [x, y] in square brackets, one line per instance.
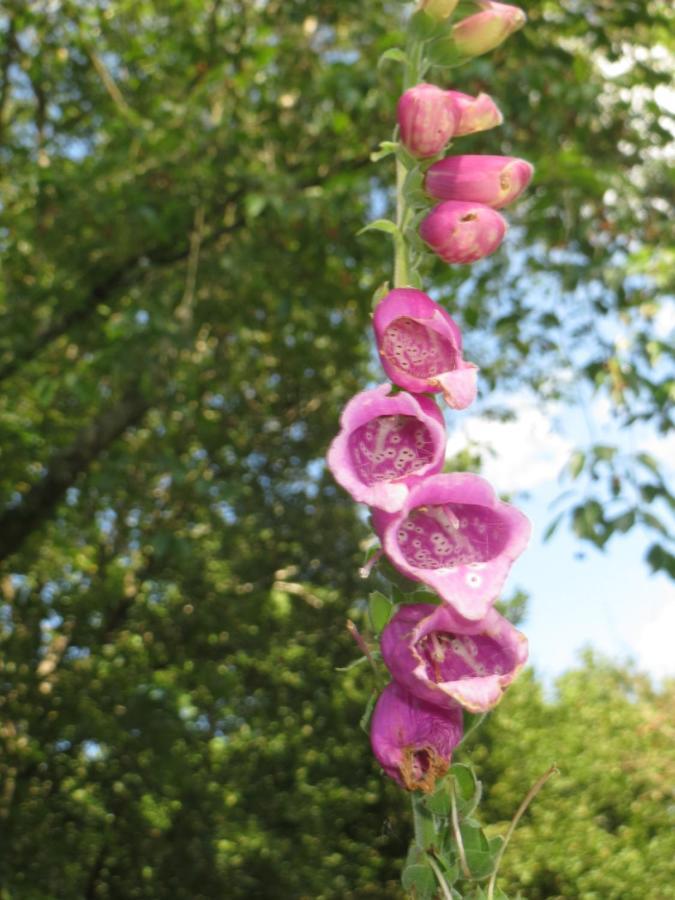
[185, 307]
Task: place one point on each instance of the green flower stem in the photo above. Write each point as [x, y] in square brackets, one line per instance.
[413, 73]
[423, 824]
[401, 263]
[457, 834]
[445, 890]
[529, 797]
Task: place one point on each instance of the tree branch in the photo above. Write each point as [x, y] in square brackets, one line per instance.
[6, 62]
[118, 278]
[39, 502]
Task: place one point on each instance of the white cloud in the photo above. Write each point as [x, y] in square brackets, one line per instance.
[664, 320]
[654, 641]
[517, 455]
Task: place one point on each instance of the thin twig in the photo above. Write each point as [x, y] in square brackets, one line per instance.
[471, 730]
[354, 631]
[466, 871]
[529, 797]
[445, 890]
[109, 83]
[184, 309]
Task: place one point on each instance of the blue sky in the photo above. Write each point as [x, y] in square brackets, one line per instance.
[579, 596]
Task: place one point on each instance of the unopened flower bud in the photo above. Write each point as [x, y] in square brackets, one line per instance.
[420, 347]
[412, 740]
[384, 443]
[427, 118]
[462, 232]
[487, 29]
[475, 113]
[453, 534]
[438, 9]
[492, 180]
[442, 659]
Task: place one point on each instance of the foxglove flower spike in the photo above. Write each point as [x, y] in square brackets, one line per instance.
[462, 232]
[493, 180]
[412, 740]
[453, 534]
[385, 443]
[420, 347]
[444, 660]
[427, 119]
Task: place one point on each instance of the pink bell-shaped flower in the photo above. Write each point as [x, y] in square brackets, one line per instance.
[427, 118]
[462, 232]
[384, 443]
[475, 113]
[442, 659]
[412, 740]
[492, 180]
[453, 534]
[487, 29]
[420, 347]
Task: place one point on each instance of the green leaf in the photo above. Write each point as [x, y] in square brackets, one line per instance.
[422, 596]
[576, 463]
[419, 881]
[439, 802]
[380, 609]
[423, 27]
[649, 462]
[426, 832]
[380, 225]
[479, 855]
[386, 149]
[395, 54]
[364, 721]
[444, 54]
[661, 560]
[604, 452]
[622, 523]
[254, 204]
[552, 527]
[413, 181]
[468, 789]
[378, 295]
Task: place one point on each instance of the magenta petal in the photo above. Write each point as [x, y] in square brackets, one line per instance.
[459, 387]
[441, 658]
[427, 116]
[453, 534]
[493, 180]
[475, 113]
[420, 347]
[385, 443]
[462, 232]
[412, 740]
[487, 29]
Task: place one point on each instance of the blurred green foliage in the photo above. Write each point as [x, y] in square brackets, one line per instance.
[184, 308]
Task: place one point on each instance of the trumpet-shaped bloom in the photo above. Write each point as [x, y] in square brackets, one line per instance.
[475, 113]
[427, 119]
[453, 534]
[492, 180]
[420, 347]
[384, 443]
[412, 740]
[442, 659]
[487, 29]
[462, 232]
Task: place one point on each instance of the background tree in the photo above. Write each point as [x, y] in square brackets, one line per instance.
[181, 283]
